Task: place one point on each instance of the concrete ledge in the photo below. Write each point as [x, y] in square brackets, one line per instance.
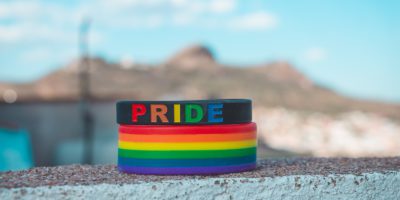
[304, 178]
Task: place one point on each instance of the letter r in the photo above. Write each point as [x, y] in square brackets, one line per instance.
[158, 111]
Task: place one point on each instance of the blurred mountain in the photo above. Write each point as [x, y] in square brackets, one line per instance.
[193, 57]
[193, 73]
[283, 72]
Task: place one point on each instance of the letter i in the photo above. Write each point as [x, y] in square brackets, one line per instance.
[177, 113]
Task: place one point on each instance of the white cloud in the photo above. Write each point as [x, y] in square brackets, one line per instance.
[179, 3]
[137, 14]
[255, 21]
[23, 32]
[36, 21]
[29, 11]
[18, 9]
[315, 54]
[222, 6]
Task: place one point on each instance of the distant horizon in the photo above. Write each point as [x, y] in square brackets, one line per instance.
[61, 66]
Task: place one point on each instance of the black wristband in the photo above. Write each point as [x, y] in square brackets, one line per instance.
[218, 111]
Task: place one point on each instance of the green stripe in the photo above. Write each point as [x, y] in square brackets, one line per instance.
[186, 154]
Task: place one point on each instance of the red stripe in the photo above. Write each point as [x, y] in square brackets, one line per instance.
[188, 129]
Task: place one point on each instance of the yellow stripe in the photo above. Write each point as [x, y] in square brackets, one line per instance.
[210, 134]
[177, 113]
[187, 145]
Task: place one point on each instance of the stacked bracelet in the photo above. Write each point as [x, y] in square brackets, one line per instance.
[186, 137]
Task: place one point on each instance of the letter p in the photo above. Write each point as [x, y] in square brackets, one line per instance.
[137, 110]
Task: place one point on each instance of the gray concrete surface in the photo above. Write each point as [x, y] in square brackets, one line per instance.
[300, 178]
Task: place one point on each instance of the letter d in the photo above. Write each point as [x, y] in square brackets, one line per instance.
[189, 114]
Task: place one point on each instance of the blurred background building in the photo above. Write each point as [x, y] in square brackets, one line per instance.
[323, 75]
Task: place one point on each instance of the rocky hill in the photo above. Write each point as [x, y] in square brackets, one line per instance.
[193, 57]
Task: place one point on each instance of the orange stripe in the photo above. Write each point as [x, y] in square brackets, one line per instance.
[187, 138]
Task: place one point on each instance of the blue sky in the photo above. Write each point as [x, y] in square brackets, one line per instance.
[350, 46]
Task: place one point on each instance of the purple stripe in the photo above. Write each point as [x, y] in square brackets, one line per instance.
[187, 170]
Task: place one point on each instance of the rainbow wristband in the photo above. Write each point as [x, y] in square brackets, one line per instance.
[219, 111]
[187, 149]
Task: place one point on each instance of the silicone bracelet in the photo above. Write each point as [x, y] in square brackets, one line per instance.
[188, 129]
[187, 149]
[188, 170]
[188, 154]
[219, 111]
